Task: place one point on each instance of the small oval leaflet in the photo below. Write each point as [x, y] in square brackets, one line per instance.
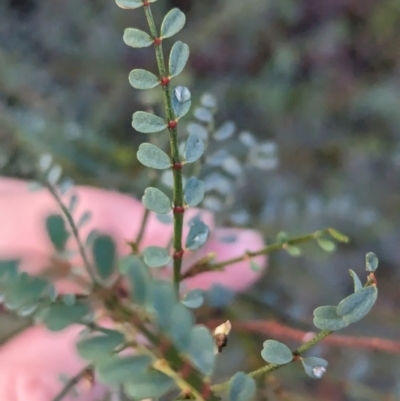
[119, 370]
[194, 148]
[193, 299]
[219, 296]
[104, 255]
[208, 100]
[194, 191]
[201, 349]
[58, 234]
[314, 367]
[84, 219]
[152, 156]
[54, 174]
[99, 346]
[139, 278]
[131, 4]
[136, 38]
[163, 302]
[242, 387]
[73, 202]
[178, 58]
[173, 22]
[58, 317]
[198, 129]
[371, 262]
[356, 281]
[142, 79]
[203, 114]
[155, 256]
[354, 307]
[182, 322]
[147, 123]
[326, 245]
[181, 101]
[276, 352]
[45, 162]
[149, 384]
[156, 200]
[225, 131]
[198, 235]
[327, 318]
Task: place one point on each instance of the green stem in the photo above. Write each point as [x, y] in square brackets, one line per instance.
[270, 248]
[271, 366]
[174, 146]
[72, 383]
[74, 228]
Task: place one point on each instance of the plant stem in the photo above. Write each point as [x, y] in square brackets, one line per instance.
[271, 367]
[270, 248]
[72, 383]
[74, 228]
[174, 146]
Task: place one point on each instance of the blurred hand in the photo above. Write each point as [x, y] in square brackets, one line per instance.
[32, 362]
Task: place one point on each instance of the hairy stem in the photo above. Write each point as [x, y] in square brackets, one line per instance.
[174, 146]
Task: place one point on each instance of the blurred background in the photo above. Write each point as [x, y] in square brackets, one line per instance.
[316, 83]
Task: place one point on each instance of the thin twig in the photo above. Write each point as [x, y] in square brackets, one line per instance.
[74, 229]
[72, 383]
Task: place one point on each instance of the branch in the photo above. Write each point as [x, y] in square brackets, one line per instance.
[174, 146]
[73, 382]
[278, 330]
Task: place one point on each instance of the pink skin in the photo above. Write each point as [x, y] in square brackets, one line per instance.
[30, 363]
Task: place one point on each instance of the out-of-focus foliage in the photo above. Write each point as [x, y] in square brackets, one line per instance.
[318, 78]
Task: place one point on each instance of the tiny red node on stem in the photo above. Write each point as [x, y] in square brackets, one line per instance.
[179, 209]
[177, 166]
[157, 41]
[164, 81]
[178, 254]
[206, 391]
[172, 124]
[185, 370]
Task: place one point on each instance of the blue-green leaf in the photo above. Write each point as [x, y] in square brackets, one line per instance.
[100, 346]
[73, 202]
[242, 387]
[104, 255]
[219, 296]
[155, 256]
[203, 114]
[24, 290]
[201, 349]
[139, 278]
[56, 231]
[182, 322]
[356, 281]
[54, 174]
[118, 370]
[181, 101]
[156, 200]
[147, 123]
[314, 367]
[198, 129]
[85, 218]
[327, 318]
[193, 299]
[294, 251]
[45, 161]
[57, 317]
[142, 79]
[151, 384]
[68, 299]
[194, 191]
[178, 58]
[194, 148]
[131, 4]
[354, 307]
[152, 156]
[326, 245]
[8, 269]
[198, 235]
[276, 352]
[173, 22]
[225, 131]
[136, 38]
[164, 299]
[371, 262]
